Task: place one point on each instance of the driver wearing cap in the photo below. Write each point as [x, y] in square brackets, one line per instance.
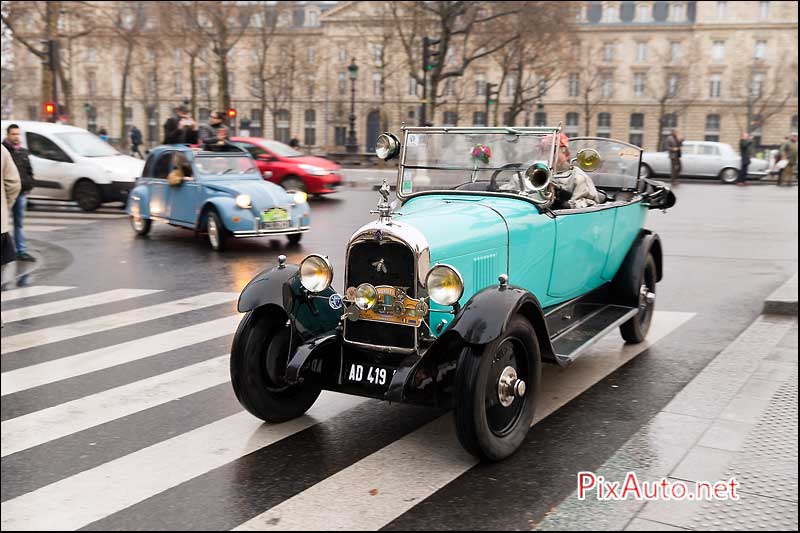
[574, 187]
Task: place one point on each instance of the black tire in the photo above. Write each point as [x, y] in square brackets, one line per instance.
[294, 238]
[87, 194]
[141, 225]
[729, 176]
[635, 330]
[293, 183]
[218, 236]
[485, 428]
[260, 342]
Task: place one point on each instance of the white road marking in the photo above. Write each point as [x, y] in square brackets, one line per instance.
[84, 363]
[36, 222]
[72, 304]
[40, 337]
[386, 484]
[66, 215]
[29, 292]
[84, 498]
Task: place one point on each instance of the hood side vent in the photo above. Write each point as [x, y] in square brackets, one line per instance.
[484, 271]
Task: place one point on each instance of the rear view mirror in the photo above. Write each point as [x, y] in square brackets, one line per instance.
[264, 157]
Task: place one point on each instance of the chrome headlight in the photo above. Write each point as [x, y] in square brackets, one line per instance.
[316, 273]
[366, 296]
[243, 201]
[387, 146]
[445, 286]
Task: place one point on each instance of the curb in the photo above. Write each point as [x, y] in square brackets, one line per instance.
[784, 300]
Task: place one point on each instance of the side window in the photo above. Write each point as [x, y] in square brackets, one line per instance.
[706, 149]
[689, 149]
[41, 146]
[162, 166]
[254, 150]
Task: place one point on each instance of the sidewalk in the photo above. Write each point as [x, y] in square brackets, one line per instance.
[737, 418]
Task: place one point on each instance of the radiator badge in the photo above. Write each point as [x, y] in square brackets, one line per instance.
[335, 301]
[380, 266]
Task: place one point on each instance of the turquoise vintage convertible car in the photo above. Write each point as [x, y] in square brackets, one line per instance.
[455, 295]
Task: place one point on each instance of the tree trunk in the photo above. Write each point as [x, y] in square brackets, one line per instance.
[123, 137]
[52, 10]
[193, 82]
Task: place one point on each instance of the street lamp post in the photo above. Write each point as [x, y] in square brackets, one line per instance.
[352, 143]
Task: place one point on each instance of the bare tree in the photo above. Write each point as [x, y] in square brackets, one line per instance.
[465, 27]
[282, 76]
[265, 23]
[596, 82]
[765, 90]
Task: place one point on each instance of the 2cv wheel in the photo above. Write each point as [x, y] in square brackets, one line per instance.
[495, 392]
[259, 356]
[217, 234]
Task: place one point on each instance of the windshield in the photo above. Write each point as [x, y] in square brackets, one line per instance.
[87, 144]
[214, 165]
[468, 159]
[281, 150]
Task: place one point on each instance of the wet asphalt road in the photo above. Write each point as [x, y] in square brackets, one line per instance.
[726, 248]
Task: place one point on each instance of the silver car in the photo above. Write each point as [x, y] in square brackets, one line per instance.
[703, 159]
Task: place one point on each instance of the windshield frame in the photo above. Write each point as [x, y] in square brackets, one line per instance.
[528, 131]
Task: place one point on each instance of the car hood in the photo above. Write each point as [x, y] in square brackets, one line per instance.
[316, 161]
[455, 226]
[262, 193]
[122, 166]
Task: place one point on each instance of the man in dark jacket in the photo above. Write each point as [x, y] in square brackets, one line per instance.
[136, 141]
[180, 128]
[745, 149]
[13, 144]
[673, 147]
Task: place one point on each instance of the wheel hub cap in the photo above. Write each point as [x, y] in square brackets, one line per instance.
[509, 387]
[645, 296]
[212, 231]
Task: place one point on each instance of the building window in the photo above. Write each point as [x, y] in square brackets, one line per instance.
[668, 123]
[377, 52]
[574, 84]
[722, 10]
[639, 80]
[715, 86]
[636, 130]
[480, 85]
[674, 51]
[761, 49]
[91, 83]
[763, 10]
[341, 83]
[540, 119]
[282, 124]
[377, 84]
[673, 85]
[310, 127]
[604, 125]
[91, 55]
[342, 55]
[202, 84]
[712, 128]
[340, 135]
[511, 86]
[608, 52]
[611, 14]
[607, 86]
[718, 51]
[641, 52]
[757, 85]
[311, 55]
[312, 17]
[571, 129]
[91, 119]
[177, 88]
[412, 86]
[479, 118]
[506, 118]
[450, 118]
[449, 87]
[678, 13]
[644, 13]
[152, 124]
[255, 122]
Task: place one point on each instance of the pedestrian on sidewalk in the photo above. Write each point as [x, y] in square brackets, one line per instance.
[22, 161]
[136, 141]
[673, 145]
[745, 151]
[789, 153]
[9, 191]
[103, 134]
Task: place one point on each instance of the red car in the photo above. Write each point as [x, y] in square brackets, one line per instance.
[292, 169]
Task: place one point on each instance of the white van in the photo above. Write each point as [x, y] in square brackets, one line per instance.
[72, 163]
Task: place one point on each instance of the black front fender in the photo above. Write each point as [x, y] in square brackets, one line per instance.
[311, 314]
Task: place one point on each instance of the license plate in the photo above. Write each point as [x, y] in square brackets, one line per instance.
[276, 214]
[280, 224]
[370, 375]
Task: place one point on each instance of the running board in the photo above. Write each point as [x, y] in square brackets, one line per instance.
[569, 344]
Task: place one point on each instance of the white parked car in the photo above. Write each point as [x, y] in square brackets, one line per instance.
[72, 163]
[703, 159]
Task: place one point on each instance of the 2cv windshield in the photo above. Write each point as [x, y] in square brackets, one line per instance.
[467, 159]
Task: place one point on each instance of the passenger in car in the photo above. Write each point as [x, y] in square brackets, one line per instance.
[574, 188]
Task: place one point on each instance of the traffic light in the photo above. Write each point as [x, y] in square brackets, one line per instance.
[49, 109]
[231, 113]
[429, 53]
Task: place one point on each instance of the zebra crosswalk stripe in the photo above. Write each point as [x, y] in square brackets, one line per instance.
[22, 341]
[29, 292]
[73, 304]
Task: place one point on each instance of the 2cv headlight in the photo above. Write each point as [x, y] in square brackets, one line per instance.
[316, 273]
[445, 286]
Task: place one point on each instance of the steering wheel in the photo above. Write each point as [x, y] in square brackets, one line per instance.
[493, 181]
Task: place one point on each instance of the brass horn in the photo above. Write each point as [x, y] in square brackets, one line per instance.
[538, 175]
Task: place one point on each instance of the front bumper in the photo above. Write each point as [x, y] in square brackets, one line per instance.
[268, 232]
[116, 191]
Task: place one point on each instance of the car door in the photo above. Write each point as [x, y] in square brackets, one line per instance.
[157, 185]
[709, 160]
[690, 165]
[54, 171]
[183, 199]
[265, 161]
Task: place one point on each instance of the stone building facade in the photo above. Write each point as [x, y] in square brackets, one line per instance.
[709, 68]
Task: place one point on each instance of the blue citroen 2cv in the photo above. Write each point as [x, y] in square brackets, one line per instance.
[501, 253]
[219, 193]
